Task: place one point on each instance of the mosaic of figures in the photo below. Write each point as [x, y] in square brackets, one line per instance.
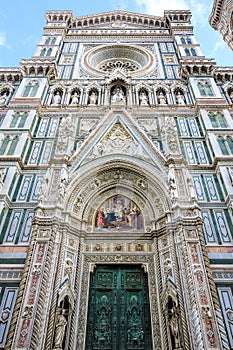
[119, 213]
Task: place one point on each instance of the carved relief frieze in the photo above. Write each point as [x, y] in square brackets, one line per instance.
[31, 294]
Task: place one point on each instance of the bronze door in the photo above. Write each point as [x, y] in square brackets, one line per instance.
[118, 311]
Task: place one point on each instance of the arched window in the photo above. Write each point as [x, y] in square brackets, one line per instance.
[47, 41]
[230, 143]
[201, 89]
[53, 41]
[189, 41]
[49, 52]
[27, 90]
[4, 145]
[31, 89]
[221, 120]
[208, 89]
[222, 145]
[187, 52]
[13, 145]
[193, 52]
[34, 90]
[183, 41]
[213, 120]
[42, 53]
[14, 120]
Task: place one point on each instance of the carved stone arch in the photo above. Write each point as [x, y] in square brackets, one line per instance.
[178, 86]
[117, 75]
[57, 87]
[161, 87]
[93, 86]
[143, 86]
[88, 190]
[6, 87]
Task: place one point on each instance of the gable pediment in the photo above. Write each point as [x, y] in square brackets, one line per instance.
[117, 136]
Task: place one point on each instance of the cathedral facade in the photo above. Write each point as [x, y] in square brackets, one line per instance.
[116, 188]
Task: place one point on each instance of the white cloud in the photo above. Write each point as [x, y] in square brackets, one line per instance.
[219, 45]
[2, 39]
[200, 10]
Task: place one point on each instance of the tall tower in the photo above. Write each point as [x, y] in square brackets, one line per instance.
[116, 188]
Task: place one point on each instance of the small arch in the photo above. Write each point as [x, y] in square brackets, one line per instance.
[31, 71]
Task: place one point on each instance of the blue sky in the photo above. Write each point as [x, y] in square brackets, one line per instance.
[22, 22]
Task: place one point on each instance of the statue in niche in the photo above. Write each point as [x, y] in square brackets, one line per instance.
[63, 183]
[180, 98]
[3, 99]
[93, 98]
[162, 99]
[231, 95]
[118, 95]
[143, 99]
[172, 184]
[56, 100]
[59, 332]
[74, 100]
[174, 323]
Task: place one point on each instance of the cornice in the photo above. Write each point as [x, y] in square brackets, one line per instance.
[216, 12]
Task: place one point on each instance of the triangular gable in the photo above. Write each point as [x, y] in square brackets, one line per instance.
[117, 134]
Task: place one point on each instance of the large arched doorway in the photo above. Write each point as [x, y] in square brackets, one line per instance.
[119, 311]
